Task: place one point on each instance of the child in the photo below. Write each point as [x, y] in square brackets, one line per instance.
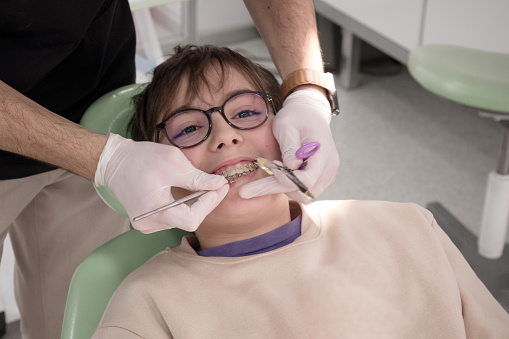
[268, 267]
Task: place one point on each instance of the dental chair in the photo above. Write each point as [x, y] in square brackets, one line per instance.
[99, 275]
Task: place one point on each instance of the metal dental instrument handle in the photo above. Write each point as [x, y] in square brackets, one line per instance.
[170, 205]
[268, 166]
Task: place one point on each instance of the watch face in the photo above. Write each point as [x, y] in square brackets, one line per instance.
[334, 104]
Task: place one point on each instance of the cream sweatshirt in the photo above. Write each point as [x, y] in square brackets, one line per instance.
[360, 269]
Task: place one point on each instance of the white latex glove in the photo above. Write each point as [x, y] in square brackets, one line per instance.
[141, 175]
[304, 118]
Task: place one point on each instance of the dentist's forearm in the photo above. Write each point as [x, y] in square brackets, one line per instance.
[288, 28]
[28, 129]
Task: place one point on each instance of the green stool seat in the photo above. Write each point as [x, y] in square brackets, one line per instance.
[471, 77]
[478, 79]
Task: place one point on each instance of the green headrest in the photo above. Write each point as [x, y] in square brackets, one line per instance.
[112, 113]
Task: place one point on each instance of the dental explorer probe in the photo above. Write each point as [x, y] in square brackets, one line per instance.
[172, 204]
[175, 203]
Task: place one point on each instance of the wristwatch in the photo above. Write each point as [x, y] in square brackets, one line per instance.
[306, 76]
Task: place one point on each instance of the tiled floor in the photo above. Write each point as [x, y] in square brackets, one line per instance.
[399, 142]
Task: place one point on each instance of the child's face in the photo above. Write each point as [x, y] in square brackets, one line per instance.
[227, 148]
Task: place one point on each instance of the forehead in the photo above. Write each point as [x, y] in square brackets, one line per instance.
[212, 90]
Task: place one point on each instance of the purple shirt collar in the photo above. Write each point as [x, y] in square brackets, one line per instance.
[272, 240]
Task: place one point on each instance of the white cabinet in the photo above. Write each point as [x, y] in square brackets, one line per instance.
[397, 26]
[480, 24]
[396, 20]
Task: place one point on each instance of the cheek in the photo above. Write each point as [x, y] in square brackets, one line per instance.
[195, 155]
[271, 146]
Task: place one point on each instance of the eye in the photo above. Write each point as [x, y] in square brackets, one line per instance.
[186, 131]
[186, 126]
[246, 114]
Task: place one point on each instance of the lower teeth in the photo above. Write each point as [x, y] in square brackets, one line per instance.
[236, 177]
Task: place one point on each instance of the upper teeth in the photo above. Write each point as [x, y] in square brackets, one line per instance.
[233, 172]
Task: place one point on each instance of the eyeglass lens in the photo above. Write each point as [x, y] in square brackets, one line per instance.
[190, 127]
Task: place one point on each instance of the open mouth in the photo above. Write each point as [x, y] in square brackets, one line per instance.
[236, 172]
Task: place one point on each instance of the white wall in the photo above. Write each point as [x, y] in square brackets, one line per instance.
[397, 20]
[471, 23]
[478, 24]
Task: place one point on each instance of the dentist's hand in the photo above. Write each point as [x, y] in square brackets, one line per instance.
[304, 118]
[141, 175]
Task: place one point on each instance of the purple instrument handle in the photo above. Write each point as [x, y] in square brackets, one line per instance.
[306, 151]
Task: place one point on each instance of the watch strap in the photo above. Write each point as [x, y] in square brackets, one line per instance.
[306, 76]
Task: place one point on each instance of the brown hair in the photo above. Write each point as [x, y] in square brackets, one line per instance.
[193, 62]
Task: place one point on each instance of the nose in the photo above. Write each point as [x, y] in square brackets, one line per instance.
[222, 134]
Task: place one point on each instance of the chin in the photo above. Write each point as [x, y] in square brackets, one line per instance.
[235, 207]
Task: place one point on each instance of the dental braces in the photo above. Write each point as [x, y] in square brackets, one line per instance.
[237, 176]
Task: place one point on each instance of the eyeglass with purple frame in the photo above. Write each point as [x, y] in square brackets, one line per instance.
[249, 109]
